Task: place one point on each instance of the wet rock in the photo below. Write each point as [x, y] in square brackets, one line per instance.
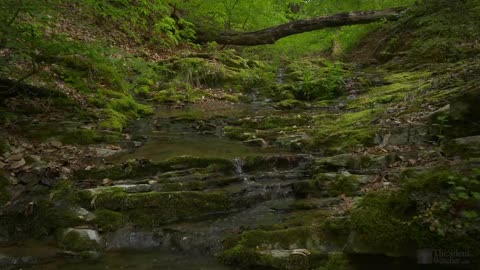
[6, 260]
[85, 255]
[132, 238]
[135, 188]
[299, 259]
[17, 164]
[350, 162]
[256, 142]
[106, 152]
[405, 135]
[463, 147]
[56, 144]
[292, 141]
[158, 208]
[464, 115]
[74, 239]
[83, 214]
[274, 162]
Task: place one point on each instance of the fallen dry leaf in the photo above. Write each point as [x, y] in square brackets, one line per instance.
[17, 164]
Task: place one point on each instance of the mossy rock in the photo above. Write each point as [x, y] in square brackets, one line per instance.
[80, 240]
[327, 187]
[139, 168]
[350, 162]
[393, 223]
[142, 91]
[262, 248]
[264, 163]
[153, 209]
[468, 147]
[238, 133]
[88, 136]
[108, 220]
[289, 104]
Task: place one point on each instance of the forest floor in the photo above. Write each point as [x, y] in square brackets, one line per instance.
[236, 159]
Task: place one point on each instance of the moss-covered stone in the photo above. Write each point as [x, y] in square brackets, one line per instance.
[468, 147]
[80, 240]
[261, 248]
[108, 220]
[345, 131]
[289, 104]
[421, 214]
[349, 162]
[139, 168]
[152, 209]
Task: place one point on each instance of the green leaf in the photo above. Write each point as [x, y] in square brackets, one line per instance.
[470, 214]
[463, 195]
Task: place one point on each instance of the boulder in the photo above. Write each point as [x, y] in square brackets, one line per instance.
[463, 147]
[75, 239]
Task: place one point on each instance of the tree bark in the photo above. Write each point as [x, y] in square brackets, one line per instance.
[272, 34]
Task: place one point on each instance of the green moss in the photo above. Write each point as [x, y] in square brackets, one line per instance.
[421, 214]
[251, 248]
[345, 131]
[239, 133]
[198, 185]
[108, 220]
[342, 184]
[289, 104]
[135, 169]
[88, 136]
[336, 261]
[64, 190]
[145, 81]
[231, 98]
[113, 120]
[326, 186]
[378, 222]
[167, 96]
[156, 208]
[74, 241]
[143, 91]
[129, 106]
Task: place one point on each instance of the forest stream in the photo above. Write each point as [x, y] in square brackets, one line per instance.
[239, 134]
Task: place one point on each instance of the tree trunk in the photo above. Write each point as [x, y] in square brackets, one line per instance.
[272, 34]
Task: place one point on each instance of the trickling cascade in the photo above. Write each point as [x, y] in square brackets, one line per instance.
[238, 164]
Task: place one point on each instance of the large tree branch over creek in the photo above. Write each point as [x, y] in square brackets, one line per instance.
[272, 34]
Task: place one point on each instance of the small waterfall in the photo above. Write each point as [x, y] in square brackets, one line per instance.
[238, 165]
[279, 76]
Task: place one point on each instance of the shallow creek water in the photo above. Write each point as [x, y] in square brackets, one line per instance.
[170, 133]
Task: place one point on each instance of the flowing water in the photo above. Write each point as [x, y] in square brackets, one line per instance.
[196, 131]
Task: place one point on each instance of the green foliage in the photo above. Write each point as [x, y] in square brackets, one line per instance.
[432, 210]
[337, 41]
[140, 19]
[314, 82]
[442, 31]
